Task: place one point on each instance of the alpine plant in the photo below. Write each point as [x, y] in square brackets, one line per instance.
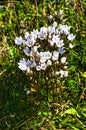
[46, 48]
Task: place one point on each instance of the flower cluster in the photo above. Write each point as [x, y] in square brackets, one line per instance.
[46, 47]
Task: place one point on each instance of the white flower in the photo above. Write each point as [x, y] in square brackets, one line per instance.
[43, 59]
[43, 66]
[34, 34]
[60, 43]
[26, 51]
[51, 30]
[44, 56]
[41, 54]
[57, 73]
[29, 42]
[25, 65]
[50, 17]
[61, 50]
[64, 29]
[71, 37]
[51, 42]
[65, 73]
[22, 65]
[61, 73]
[55, 38]
[47, 55]
[38, 68]
[18, 40]
[26, 35]
[55, 24]
[43, 29]
[63, 60]
[65, 67]
[57, 31]
[43, 33]
[55, 55]
[71, 45]
[34, 64]
[29, 63]
[49, 63]
[60, 12]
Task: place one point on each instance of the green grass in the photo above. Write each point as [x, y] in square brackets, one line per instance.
[51, 105]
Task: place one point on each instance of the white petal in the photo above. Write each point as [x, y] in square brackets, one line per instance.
[63, 60]
[18, 40]
[26, 35]
[43, 59]
[55, 55]
[49, 63]
[65, 73]
[57, 73]
[71, 37]
[65, 67]
[62, 73]
[43, 66]
[38, 68]
[71, 46]
[22, 66]
[55, 24]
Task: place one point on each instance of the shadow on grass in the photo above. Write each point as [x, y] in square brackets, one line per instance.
[15, 105]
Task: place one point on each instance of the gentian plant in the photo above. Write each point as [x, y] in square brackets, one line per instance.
[45, 48]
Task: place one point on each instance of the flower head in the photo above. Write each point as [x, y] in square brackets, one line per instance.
[22, 65]
[38, 68]
[18, 40]
[71, 37]
[27, 35]
[55, 55]
[61, 50]
[43, 33]
[43, 66]
[63, 60]
[71, 45]
[49, 63]
[27, 51]
[64, 29]
[60, 43]
[53, 52]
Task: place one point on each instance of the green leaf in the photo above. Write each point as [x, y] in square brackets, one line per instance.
[71, 111]
[67, 119]
[84, 74]
[84, 114]
[74, 128]
[84, 109]
[45, 113]
[39, 113]
[12, 51]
